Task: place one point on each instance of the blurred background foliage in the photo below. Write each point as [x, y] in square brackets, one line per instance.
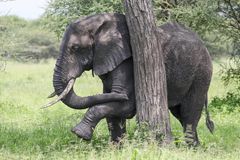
[24, 40]
[59, 13]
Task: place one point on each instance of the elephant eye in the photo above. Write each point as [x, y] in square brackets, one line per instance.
[74, 48]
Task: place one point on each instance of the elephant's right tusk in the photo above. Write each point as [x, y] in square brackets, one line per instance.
[52, 95]
[63, 94]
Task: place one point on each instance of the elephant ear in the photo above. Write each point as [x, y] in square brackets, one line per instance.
[112, 46]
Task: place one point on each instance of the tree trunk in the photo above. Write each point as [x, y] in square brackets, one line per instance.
[149, 68]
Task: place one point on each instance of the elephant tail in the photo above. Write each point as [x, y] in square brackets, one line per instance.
[209, 122]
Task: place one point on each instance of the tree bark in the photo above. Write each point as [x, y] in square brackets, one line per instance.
[149, 68]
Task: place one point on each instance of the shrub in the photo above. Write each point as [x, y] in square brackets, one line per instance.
[229, 103]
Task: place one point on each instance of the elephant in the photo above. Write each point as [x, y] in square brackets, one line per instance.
[101, 43]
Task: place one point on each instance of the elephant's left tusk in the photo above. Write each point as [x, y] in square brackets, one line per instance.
[63, 94]
[52, 95]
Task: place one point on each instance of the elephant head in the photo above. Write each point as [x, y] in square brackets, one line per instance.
[99, 42]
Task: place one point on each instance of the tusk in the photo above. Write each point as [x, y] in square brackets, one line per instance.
[63, 94]
[52, 95]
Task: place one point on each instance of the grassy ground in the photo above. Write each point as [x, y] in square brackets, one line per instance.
[27, 132]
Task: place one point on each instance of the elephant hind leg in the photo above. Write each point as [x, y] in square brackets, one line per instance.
[117, 128]
[176, 111]
[191, 109]
[189, 122]
[190, 132]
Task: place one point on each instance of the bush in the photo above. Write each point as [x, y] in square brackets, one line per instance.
[229, 103]
[231, 72]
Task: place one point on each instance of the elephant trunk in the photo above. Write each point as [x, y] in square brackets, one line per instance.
[76, 102]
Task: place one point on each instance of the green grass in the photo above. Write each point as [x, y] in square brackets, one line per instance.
[27, 132]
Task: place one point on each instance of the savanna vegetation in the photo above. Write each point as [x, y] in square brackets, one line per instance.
[28, 132]
[24, 41]
[27, 52]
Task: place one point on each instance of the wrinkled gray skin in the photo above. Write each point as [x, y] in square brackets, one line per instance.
[101, 43]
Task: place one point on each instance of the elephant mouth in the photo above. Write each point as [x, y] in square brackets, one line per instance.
[61, 96]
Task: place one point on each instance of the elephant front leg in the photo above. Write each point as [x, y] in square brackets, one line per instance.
[86, 127]
[117, 128]
[94, 114]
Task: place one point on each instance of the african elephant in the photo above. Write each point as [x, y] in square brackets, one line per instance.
[101, 43]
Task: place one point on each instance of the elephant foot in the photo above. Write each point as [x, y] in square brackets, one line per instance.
[191, 137]
[191, 142]
[83, 131]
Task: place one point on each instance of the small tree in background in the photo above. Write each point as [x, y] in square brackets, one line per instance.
[230, 10]
[59, 13]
